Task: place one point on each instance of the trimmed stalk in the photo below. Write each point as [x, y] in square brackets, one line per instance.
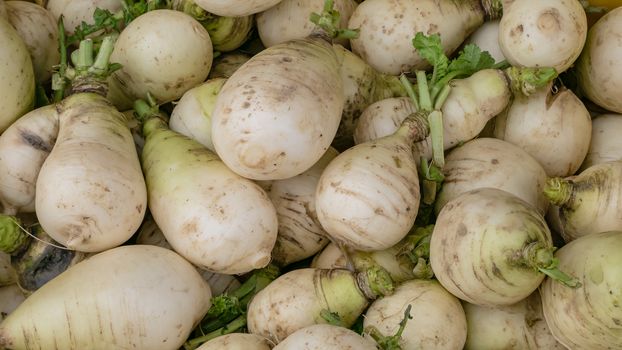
[558, 190]
[541, 258]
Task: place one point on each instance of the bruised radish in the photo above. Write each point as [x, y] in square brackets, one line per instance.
[491, 248]
[237, 341]
[605, 146]
[325, 337]
[134, 296]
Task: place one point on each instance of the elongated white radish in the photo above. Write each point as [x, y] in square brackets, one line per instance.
[24, 146]
[75, 12]
[488, 162]
[543, 33]
[135, 296]
[192, 115]
[213, 217]
[438, 320]
[17, 77]
[554, 128]
[37, 27]
[278, 113]
[237, 341]
[325, 337]
[163, 52]
[491, 248]
[605, 146]
[236, 8]
[486, 37]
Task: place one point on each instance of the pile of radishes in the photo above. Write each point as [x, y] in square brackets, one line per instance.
[320, 174]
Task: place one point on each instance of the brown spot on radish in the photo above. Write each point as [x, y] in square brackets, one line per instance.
[35, 141]
[549, 21]
[246, 105]
[462, 229]
[139, 208]
[494, 161]
[517, 31]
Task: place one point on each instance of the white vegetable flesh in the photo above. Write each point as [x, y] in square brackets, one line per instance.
[135, 296]
[235, 8]
[90, 192]
[325, 337]
[24, 146]
[605, 145]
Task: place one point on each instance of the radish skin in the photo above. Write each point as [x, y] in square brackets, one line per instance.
[90, 192]
[74, 12]
[382, 118]
[605, 146]
[236, 8]
[325, 337]
[237, 341]
[486, 37]
[24, 146]
[134, 296]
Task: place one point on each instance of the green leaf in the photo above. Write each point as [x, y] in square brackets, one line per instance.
[471, 59]
[431, 49]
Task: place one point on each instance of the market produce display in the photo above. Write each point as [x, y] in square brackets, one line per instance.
[310, 175]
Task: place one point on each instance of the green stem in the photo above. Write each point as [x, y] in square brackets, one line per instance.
[558, 191]
[540, 257]
[329, 20]
[12, 237]
[435, 119]
[439, 100]
[526, 81]
[101, 65]
[231, 327]
[390, 342]
[59, 82]
[410, 91]
[425, 100]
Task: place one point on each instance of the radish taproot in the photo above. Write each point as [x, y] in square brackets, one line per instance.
[236, 8]
[237, 341]
[24, 146]
[588, 202]
[605, 146]
[587, 317]
[90, 192]
[213, 217]
[437, 321]
[543, 33]
[325, 337]
[134, 296]
[598, 77]
[491, 248]
[308, 296]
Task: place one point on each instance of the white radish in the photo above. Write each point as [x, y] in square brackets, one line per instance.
[597, 73]
[325, 337]
[382, 118]
[588, 317]
[236, 8]
[237, 341]
[438, 320]
[331, 257]
[24, 146]
[213, 217]
[554, 128]
[163, 52]
[17, 77]
[486, 37]
[135, 296]
[493, 163]
[605, 146]
[75, 12]
[192, 115]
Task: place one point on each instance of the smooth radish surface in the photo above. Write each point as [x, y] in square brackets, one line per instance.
[135, 296]
[279, 112]
[24, 146]
[289, 20]
[235, 8]
[517, 326]
[75, 12]
[17, 77]
[331, 257]
[588, 202]
[488, 162]
[605, 146]
[486, 37]
[483, 244]
[300, 233]
[587, 317]
[192, 115]
[11, 297]
[387, 28]
[554, 128]
[37, 27]
[237, 341]
[163, 52]
[438, 318]
[599, 77]
[325, 337]
[213, 217]
[543, 33]
[90, 192]
[382, 118]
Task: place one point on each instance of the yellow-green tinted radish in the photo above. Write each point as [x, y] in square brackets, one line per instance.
[235, 8]
[387, 28]
[37, 27]
[588, 202]
[599, 76]
[438, 320]
[587, 317]
[192, 115]
[488, 162]
[237, 341]
[326, 337]
[24, 146]
[163, 52]
[554, 128]
[517, 326]
[130, 297]
[484, 245]
[213, 217]
[605, 146]
[17, 77]
[74, 12]
[543, 33]
[289, 20]
[90, 192]
[300, 233]
[11, 297]
[279, 112]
